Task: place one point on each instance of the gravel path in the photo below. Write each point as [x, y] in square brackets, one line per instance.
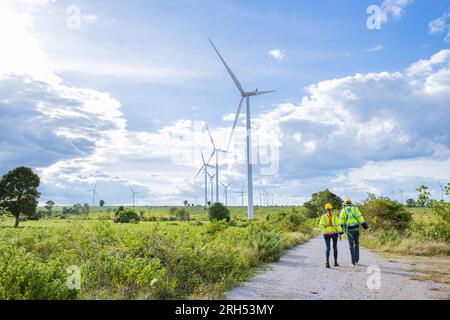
[301, 275]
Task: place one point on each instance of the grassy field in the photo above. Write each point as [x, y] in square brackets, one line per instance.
[148, 260]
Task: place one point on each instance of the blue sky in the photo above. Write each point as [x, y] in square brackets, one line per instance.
[356, 110]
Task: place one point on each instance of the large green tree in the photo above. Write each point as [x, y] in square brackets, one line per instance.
[315, 206]
[19, 192]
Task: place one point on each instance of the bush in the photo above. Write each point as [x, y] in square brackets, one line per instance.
[216, 226]
[437, 231]
[315, 206]
[182, 215]
[127, 215]
[219, 212]
[292, 221]
[384, 213]
[442, 209]
[269, 244]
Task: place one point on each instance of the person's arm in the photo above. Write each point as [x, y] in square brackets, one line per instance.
[361, 219]
[342, 219]
[321, 224]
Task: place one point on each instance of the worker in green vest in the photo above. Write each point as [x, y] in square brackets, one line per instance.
[351, 220]
[332, 230]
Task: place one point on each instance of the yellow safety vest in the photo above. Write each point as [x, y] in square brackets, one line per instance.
[351, 216]
[330, 224]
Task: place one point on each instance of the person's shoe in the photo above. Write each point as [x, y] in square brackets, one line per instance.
[336, 264]
[354, 263]
[327, 265]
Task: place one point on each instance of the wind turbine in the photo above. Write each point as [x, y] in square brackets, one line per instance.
[401, 195]
[226, 186]
[242, 194]
[215, 152]
[245, 95]
[94, 193]
[204, 168]
[133, 196]
[442, 190]
[211, 185]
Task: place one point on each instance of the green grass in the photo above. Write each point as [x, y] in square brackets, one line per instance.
[148, 260]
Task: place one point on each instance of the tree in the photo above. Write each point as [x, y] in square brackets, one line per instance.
[316, 205]
[410, 203]
[383, 213]
[182, 215]
[218, 212]
[127, 215]
[86, 210]
[424, 196]
[186, 203]
[102, 203]
[172, 212]
[49, 207]
[19, 192]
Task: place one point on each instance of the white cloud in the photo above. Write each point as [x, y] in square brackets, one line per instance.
[396, 8]
[426, 66]
[441, 26]
[277, 54]
[376, 48]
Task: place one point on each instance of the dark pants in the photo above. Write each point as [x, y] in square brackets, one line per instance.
[328, 239]
[353, 240]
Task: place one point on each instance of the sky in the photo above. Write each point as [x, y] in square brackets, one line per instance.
[118, 94]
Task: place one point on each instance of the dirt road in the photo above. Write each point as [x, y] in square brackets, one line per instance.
[301, 275]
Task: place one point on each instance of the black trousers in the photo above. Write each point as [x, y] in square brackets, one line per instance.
[328, 239]
[353, 240]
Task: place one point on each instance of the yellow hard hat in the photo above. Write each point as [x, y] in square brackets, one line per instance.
[348, 201]
[328, 206]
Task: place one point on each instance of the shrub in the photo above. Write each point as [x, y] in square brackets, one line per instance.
[182, 215]
[127, 215]
[292, 221]
[172, 211]
[216, 226]
[437, 231]
[316, 205]
[384, 213]
[219, 212]
[269, 244]
[442, 209]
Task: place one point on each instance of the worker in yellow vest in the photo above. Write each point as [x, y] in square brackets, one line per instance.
[332, 230]
[351, 219]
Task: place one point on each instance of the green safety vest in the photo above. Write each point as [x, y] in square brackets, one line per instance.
[351, 216]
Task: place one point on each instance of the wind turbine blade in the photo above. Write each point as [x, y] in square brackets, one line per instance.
[260, 93]
[235, 79]
[203, 158]
[199, 171]
[238, 113]
[212, 155]
[210, 136]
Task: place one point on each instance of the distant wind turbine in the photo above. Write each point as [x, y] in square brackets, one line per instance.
[94, 193]
[204, 168]
[211, 186]
[133, 196]
[225, 187]
[244, 96]
[215, 152]
[242, 194]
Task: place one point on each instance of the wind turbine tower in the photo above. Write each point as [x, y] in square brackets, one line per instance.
[245, 95]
